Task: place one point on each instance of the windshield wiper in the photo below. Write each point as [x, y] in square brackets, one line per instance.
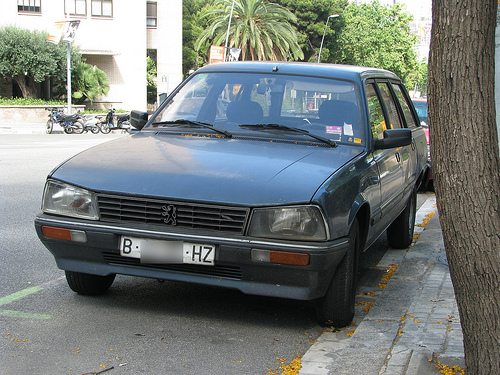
[205, 125]
[288, 128]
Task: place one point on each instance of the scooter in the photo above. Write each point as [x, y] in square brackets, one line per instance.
[122, 122]
[70, 123]
[91, 123]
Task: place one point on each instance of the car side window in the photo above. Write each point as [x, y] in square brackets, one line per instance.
[377, 120]
[390, 106]
[410, 120]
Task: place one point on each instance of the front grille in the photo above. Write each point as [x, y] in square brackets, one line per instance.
[229, 272]
[118, 209]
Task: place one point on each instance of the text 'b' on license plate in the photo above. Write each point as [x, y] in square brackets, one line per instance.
[159, 251]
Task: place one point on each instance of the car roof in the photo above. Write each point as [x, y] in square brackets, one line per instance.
[349, 72]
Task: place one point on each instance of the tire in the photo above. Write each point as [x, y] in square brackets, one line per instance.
[400, 232]
[337, 306]
[78, 127]
[68, 129]
[49, 126]
[89, 285]
[105, 129]
[95, 129]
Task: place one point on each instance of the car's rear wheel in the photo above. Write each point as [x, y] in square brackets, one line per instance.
[400, 232]
[87, 284]
[337, 306]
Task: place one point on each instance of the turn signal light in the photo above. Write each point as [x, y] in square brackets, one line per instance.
[280, 257]
[64, 234]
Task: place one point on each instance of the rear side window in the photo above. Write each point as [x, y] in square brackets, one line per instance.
[410, 120]
[377, 120]
[390, 106]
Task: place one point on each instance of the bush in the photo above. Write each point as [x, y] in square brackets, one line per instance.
[30, 101]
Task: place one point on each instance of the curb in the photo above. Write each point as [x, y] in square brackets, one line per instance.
[413, 324]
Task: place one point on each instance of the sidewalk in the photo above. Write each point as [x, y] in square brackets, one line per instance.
[24, 128]
[414, 320]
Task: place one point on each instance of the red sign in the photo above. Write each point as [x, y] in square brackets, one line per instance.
[216, 54]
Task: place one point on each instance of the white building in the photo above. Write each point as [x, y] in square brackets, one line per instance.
[114, 35]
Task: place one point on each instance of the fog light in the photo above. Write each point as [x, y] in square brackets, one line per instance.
[64, 234]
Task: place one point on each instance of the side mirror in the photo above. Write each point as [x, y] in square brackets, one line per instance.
[393, 138]
[138, 119]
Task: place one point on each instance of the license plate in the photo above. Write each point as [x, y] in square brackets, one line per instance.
[158, 251]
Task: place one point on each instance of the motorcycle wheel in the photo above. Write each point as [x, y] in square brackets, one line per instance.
[49, 126]
[78, 127]
[95, 130]
[105, 129]
[68, 129]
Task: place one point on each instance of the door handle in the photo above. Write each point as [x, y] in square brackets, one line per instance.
[398, 157]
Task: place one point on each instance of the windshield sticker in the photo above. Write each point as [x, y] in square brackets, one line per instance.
[334, 130]
[348, 129]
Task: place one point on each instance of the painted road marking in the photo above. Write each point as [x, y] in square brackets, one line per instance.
[16, 296]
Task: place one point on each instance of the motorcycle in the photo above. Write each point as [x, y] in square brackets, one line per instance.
[70, 123]
[91, 123]
[122, 122]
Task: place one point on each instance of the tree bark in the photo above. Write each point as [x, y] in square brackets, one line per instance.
[465, 161]
[27, 86]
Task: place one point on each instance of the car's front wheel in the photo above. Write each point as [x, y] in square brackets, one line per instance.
[87, 284]
[400, 232]
[337, 306]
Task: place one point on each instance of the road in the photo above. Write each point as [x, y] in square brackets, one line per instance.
[141, 326]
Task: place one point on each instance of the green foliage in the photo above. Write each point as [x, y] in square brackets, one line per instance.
[418, 79]
[311, 22]
[88, 82]
[262, 30]
[378, 36]
[27, 58]
[193, 24]
[30, 101]
[151, 80]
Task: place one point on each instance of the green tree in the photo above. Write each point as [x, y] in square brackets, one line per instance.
[311, 22]
[262, 30]
[88, 82]
[378, 36]
[27, 58]
[193, 25]
[151, 80]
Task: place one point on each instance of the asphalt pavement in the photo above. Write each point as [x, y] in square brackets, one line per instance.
[412, 328]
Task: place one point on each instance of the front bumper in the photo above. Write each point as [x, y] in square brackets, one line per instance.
[234, 267]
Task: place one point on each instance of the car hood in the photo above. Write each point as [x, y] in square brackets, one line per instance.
[228, 171]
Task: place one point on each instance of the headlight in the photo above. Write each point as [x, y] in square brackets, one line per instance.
[301, 223]
[63, 199]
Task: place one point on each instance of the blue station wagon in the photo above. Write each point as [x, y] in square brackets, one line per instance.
[266, 177]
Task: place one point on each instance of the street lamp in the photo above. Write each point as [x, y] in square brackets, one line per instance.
[324, 32]
[228, 27]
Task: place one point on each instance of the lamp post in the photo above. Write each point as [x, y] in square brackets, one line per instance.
[324, 32]
[228, 27]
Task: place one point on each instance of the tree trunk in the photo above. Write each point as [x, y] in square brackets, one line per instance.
[27, 85]
[465, 161]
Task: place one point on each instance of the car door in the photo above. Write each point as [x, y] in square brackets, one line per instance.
[410, 164]
[383, 117]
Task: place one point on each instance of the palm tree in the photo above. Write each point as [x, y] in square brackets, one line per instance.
[262, 30]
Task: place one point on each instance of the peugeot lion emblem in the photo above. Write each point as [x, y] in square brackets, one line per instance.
[170, 214]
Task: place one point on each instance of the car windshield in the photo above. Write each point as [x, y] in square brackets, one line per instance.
[265, 105]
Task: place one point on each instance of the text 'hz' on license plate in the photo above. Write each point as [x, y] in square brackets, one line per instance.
[158, 251]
